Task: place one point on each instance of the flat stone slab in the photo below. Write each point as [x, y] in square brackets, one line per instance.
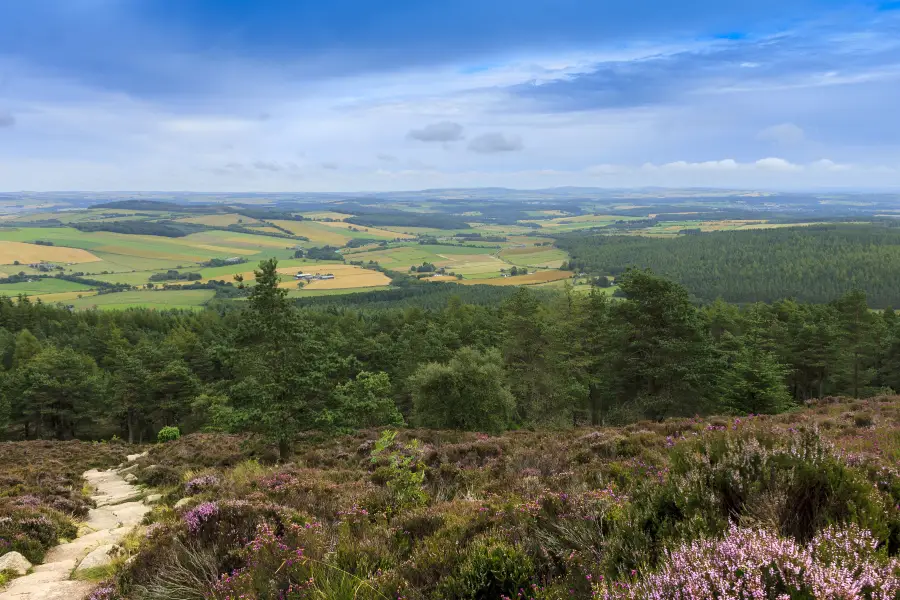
[63, 566]
[98, 557]
[27, 589]
[119, 510]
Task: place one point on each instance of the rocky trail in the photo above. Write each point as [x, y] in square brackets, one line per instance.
[120, 507]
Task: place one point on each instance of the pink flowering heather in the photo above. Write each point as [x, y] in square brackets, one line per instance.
[105, 592]
[275, 568]
[199, 484]
[754, 563]
[200, 514]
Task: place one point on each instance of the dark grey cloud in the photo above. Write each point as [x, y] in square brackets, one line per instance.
[445, 131]
[7, 120]
[491, 143]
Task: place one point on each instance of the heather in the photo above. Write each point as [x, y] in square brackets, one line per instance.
[42, 492]
[798, 505]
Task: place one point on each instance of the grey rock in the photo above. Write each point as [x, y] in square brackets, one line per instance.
[183, 502]
[130, 478]
[98, 557]
[14, 563]
[134, 457]
[152, 498]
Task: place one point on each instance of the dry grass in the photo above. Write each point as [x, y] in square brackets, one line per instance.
[531, 278]
[29, 253]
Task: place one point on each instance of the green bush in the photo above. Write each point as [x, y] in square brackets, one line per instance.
[168, 434]
[492, 568]
[404, 473]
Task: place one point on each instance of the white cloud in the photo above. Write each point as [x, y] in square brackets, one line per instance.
[716, 165]
[776, 164]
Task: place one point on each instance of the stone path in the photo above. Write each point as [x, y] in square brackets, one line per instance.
[119, 509]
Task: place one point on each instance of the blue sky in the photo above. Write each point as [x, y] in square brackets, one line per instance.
[292, 95]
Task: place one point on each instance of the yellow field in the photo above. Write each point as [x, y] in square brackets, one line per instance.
[31, 253]
[316, 232]
[219, 220]
[442, 278]
[373, 230]
[237, 251]
[268, 230]
[345, 277]
[325, 215]
[147, 253]
[538, 277]
[63, 296]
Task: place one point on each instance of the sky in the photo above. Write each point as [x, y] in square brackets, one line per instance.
[355, 95]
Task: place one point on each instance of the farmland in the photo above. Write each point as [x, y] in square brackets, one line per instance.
[157, 245]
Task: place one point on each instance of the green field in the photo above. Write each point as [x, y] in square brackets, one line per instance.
[164, 299]
[41, 286]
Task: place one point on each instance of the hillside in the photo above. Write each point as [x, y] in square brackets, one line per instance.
[585, 513]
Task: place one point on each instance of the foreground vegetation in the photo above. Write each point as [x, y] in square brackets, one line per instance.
[800, 505]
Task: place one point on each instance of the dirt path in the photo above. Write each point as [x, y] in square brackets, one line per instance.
[119, 509]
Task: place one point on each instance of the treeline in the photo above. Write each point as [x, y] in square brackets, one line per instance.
[811, 264]
[278, 370]
[139, 228]
[175, 275]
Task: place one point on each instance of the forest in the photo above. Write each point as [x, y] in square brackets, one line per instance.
[558, 360]
[815, 263]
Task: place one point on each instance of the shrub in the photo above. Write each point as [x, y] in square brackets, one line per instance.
[492, 568]
[469, 393]
[168, 434]
[404, 472]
